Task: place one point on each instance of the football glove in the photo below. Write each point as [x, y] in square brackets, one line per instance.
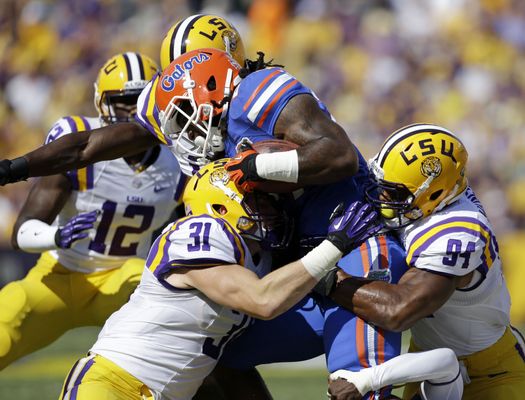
[349, 229]
[75, 229]
[242, 168]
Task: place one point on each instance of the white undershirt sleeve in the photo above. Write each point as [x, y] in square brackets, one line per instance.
[440, 368]
[35, 236]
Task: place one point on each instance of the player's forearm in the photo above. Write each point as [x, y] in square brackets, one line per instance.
[83, 148]
[280, 290]
[377, 302]
[284, 287]
[59, 156]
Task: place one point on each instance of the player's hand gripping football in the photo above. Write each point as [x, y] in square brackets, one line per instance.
[351, 227]
[75, 229]
[242, 169]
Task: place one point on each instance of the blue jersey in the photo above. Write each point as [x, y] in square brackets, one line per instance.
[257, 103]
[317, 325]
[255, 107]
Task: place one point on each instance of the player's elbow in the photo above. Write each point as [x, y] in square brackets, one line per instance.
[343, 160]
[265, 309]
[336, 160]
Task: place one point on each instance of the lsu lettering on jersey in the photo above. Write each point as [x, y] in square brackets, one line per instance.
[169, 338]
[133, 204]
[456, 241]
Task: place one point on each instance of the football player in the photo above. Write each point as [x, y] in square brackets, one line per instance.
[455, 293]
[203, 281]
[200, 93]
[268, 103]
[105, 214]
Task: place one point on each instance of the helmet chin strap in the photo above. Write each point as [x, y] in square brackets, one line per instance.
[424, 186]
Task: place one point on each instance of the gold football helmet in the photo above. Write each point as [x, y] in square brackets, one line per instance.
[119, 84]
[255, 215]
[198, 32]
[419, 170]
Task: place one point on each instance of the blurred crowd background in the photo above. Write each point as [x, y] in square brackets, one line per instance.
[378, 64]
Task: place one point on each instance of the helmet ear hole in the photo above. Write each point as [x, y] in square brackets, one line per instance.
[436, 194]
[211, 84]
[220, 209]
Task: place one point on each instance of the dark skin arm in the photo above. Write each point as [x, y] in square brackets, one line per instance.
[84, 148]
[45, 200]
[341, 389]
[326, 154]
[396, 307]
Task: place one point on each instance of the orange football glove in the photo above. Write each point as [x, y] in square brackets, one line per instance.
[242, 169]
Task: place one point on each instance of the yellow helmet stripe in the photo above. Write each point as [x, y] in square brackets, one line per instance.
[404, 133]
[180, 35]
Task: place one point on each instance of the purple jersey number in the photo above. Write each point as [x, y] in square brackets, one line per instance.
[198, 243]
[116, 248]
[454, 251]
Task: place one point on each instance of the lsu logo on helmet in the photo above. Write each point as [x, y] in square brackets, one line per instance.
[419, 170]
[198, 32]
[431, 166]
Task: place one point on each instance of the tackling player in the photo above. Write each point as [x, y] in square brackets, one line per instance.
[201, 284]
[80, 279]
[199, 95]
[455, 294]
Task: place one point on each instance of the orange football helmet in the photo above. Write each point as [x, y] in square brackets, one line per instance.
[192, 96]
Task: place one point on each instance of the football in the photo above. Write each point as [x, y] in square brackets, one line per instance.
[273, 146]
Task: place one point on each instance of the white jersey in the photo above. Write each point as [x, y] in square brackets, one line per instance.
[456, 241]
[133, 204]
[169, 338]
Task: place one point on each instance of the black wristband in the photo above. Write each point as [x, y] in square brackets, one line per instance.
[252, 174]
[18, 170]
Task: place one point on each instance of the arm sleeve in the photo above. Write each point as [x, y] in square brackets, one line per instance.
[35, 236]
[439, 366]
